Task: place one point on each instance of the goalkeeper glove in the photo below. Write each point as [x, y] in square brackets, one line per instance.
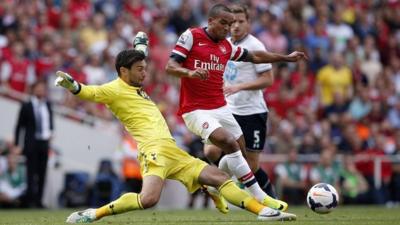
[141, 42]
[66, 81]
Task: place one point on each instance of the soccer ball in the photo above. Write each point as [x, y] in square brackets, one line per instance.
[322, 198]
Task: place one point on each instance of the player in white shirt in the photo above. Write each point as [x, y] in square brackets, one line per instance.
[244, 83]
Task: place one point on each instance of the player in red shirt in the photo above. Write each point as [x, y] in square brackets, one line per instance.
[199, 59]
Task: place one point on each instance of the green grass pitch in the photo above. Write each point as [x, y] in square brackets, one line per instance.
[362, 215]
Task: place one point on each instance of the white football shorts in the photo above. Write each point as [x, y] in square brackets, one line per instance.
[203, 122]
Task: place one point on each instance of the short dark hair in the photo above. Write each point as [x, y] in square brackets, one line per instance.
[127, 58]
[216, 9]
[240, 8]
[37, 83]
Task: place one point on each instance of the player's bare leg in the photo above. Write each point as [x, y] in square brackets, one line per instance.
[148, 197]
[242, 145]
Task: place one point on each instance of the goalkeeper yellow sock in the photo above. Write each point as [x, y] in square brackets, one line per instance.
[239, 197]
[125, 203]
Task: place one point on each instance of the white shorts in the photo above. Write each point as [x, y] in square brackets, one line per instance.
[204, 122]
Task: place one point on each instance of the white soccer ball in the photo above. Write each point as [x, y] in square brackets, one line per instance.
[322, 198]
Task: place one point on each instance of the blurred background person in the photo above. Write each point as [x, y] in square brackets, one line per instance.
[35, 121]
[378, 193]
[327, 170]
[353, 185]
[17, 71]
[292, 179]
[395, 184]
[333, 78]
[12, 177]
[107, 185]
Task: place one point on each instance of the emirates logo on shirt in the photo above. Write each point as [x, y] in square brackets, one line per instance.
[205, 125]
[213, 64]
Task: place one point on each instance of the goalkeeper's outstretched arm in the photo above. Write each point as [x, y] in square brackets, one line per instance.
[92, 93]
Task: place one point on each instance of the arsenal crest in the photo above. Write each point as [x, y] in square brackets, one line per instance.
[222, 48]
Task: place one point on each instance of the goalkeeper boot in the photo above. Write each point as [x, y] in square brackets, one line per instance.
[274, 203]
[219, 201]
[275, 215]
[85, 216]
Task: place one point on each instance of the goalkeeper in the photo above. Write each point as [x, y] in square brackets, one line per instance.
[159, 156]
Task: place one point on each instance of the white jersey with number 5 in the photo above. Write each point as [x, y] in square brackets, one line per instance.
[246, 102]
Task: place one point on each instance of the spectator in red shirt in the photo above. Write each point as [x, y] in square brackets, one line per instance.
[76, 68]
[17, 72]
[44, 65]
[80, 10]
[379, 194]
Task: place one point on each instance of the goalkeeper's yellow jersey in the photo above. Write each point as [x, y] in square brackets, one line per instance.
[133, 107]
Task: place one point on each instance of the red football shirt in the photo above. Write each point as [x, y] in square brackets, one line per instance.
[200, 51]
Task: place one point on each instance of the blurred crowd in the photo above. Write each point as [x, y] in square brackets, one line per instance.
[344, 101]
